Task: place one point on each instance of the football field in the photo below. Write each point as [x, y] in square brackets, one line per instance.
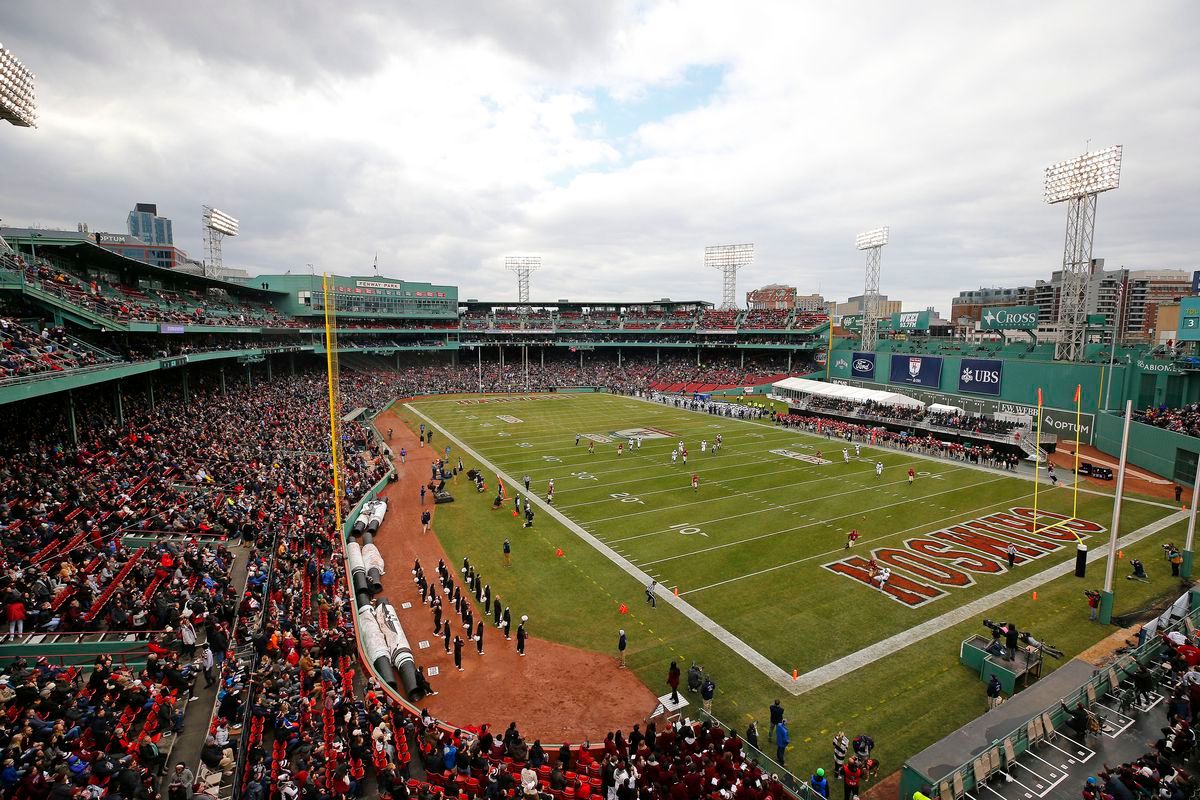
[757, 550]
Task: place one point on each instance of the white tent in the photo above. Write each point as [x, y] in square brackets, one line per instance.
[940, 408]
[797, 387]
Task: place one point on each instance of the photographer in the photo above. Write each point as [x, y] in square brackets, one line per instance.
[1093, 598]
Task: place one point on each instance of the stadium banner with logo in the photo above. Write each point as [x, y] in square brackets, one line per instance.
[1189, 320]
[980, 376]
[852, 322]
[862, 366]
[916, 370]
[910, 321]
[1009, 318]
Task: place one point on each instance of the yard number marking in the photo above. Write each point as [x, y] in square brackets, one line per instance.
[687, 529]
[626, 497]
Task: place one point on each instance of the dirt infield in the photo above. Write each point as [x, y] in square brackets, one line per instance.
[555, 693]
[1137, 480]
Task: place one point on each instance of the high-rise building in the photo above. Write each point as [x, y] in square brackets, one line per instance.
[145, 224]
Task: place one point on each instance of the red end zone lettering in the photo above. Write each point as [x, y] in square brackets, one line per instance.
[980, 546]
[901, 589]
[923, 567]
[963, 559]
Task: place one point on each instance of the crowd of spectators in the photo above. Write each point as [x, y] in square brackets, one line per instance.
[681, 761]
[968, 423]
[900, 440]
[1185, 419]
[26, 351]
[250, 470]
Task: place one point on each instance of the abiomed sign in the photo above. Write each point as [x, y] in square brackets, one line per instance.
[925, 567]
[1010, 318]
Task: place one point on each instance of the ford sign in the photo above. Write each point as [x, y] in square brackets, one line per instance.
[862, 366]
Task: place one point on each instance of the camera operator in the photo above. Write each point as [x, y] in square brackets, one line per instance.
[1093, 598]
[1048, 649]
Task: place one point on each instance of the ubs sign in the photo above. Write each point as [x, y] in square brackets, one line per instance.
[980, 376]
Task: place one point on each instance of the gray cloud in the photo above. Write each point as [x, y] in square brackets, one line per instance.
[442, 136]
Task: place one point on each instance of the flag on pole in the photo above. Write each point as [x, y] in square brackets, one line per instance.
[1039, 397]
[1077, 388]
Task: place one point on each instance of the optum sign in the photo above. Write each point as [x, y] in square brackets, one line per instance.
[1011, 318]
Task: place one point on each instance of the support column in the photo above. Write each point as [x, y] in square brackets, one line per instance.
[151, 391]
[790, 360]
[71, 418]
[292, 363]
[184, 379]
[618, 358]
[1106, 597]
[249, 377]
[118, 403]
[542, 353]
[1188, 557]
[268, 369]
[222, 381]
[657, 355]
[743, 359]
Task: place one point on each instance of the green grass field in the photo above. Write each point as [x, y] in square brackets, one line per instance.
[747, 550]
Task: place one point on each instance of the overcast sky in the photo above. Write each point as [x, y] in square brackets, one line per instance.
[616, 140]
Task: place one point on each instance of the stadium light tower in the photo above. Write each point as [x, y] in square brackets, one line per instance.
[217, 225]
[873, 242]
[523, 266]
[1077, 182]
[728, 258]
[18, 103]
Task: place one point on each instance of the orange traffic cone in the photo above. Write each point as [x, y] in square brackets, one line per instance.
[624, 609]
[559, 552]
[677, 591]
[1120, 554]
[1035, 596]
[514, 512]
[795, 674]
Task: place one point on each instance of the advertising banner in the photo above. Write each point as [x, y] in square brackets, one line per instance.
[916, 370]
[910, 321]
[862, 366]
[1189, 320]
[1009, 318]
[852, 322]
[980, 376]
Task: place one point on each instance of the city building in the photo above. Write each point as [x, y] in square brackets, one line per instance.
[772, 296]
[814, 303]
[1130, 297]
[969, 306]
[854, 305]
[145, 224]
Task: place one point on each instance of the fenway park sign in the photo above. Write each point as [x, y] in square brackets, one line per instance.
[925, 567]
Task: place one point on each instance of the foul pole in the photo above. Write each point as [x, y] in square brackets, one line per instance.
[1078, 419]
[1037, 462]
[331, 367]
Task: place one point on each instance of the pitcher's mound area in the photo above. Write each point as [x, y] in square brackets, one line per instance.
[554, 693]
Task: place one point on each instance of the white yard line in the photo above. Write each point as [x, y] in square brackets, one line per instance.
[861, 658]
[808, 525]
[752, 656]
[924, 526]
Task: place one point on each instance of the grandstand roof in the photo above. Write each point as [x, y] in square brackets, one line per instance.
[94, 254]
[852, 393]
[568, 304]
